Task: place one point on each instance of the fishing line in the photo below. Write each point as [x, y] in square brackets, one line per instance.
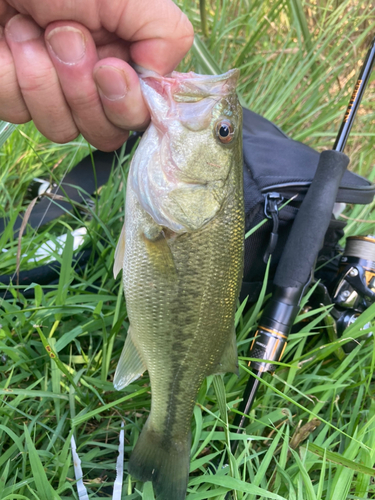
[360, 245]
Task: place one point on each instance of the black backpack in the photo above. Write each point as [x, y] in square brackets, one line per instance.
[278, 169]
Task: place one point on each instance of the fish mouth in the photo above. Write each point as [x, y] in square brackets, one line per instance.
[188, 98]
[230, 77]
[191, 87]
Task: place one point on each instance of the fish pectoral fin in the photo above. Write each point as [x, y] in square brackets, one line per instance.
[119, 253]
[229, 358]
[130, 365]
[160, 254]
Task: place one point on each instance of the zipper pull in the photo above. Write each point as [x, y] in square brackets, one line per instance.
[272, 201]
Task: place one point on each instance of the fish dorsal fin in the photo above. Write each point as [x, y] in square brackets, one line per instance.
[229, 358]
[119, 253]
[130, 365]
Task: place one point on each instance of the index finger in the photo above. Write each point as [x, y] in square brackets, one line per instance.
[160, 34]
[161, 39]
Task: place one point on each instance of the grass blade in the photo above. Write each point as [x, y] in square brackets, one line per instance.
[79, 419]
[236, 485]
[337, 458]
[207, 62]
[43, 487]
[3, 479]
[6, 130]
[148, 492]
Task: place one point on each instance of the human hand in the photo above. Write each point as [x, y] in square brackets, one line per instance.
[65, 63]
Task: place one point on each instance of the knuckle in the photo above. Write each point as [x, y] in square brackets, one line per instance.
[83, 100]
[41, 82]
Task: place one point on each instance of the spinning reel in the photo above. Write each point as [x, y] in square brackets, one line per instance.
[354, 289]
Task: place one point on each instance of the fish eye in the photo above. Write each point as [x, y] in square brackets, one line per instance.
[225, 131]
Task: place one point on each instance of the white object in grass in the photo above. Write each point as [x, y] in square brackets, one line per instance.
[81, 488]
[49, 249]
[117, 487]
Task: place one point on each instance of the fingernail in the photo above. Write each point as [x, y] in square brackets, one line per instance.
[22, 29]
[111, 82]
[67, 43]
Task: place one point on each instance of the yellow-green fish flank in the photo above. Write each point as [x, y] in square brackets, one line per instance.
[181, 252]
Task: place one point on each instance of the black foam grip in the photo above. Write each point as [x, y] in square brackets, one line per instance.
[312, 221]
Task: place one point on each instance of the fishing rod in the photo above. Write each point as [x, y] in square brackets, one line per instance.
[294, 270]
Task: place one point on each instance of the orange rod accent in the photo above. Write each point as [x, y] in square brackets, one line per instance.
[282, 352]
[275, 332]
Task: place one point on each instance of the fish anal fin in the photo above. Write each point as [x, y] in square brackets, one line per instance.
[229, 358]
[164, 461]
[130, 365]
[119, 253]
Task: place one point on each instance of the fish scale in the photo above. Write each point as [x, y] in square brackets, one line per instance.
[181, 276]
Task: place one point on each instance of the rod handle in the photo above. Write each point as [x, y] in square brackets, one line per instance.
[311, 223]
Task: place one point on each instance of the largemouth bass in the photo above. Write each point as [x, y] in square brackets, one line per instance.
[181, 251]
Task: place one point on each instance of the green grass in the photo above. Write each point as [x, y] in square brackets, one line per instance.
[298, 68]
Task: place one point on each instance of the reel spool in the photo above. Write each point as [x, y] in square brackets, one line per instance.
[354, 290]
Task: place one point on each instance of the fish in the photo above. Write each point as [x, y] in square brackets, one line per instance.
[181, 253]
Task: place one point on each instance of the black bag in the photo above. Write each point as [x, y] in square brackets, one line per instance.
[276, 169]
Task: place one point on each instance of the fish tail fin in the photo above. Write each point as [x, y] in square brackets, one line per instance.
[162, 460]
